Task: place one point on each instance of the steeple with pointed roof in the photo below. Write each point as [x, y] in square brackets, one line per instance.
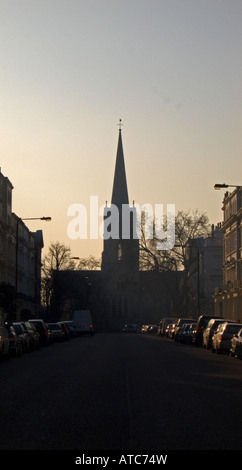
[120, 189]
[120, 256]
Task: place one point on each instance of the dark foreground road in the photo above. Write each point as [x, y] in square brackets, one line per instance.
[118, 391]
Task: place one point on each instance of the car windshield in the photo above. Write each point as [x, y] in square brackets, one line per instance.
[18, 329]
[185, 320]
[233, 328]
[54, 326]
[215, 323]
[204, 321]
[38, 326]
[30, 327]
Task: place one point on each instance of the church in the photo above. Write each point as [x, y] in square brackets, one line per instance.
[120, 292]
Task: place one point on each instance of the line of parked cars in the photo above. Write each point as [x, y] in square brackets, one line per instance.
[17, 338]
[217, 334]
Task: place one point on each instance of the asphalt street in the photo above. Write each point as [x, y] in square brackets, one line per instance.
[121, 391]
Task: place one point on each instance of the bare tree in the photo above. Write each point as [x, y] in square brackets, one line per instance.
[58, 258]
[91, 263]
[189, 227]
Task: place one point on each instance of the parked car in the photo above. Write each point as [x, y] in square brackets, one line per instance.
[50, 339]
[161, 328]
[167, 330]
[15, 343]
[221, 340]
[34, 336]
[130, 328]
[171, 331]
[186, 333]
[201, 325]
[45, 335]
[71, 327]
[23, 335]
[4, 339]
[182, 331]
[57, 331]
[179, 324]
[149, 328]
[236, 345]
[144, 328]
[152, 329]
[65, 331]
[210, 330]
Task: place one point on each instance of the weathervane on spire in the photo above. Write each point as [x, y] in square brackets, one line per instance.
[120, 124]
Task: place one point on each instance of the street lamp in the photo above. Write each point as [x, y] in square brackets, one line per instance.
[46, 219]
[219, 186]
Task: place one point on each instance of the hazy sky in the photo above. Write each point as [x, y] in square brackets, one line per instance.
[70, 69]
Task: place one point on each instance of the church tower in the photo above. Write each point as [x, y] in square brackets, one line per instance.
[120, 257]
[121, 246]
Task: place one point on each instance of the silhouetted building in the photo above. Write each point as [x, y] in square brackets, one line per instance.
[20, 260]
[228, 296]
[205, 260]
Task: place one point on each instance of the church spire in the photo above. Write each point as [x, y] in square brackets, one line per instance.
[120, 190]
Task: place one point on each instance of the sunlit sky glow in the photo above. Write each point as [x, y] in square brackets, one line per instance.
[70, 69]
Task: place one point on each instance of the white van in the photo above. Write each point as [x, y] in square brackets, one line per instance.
[83, 323]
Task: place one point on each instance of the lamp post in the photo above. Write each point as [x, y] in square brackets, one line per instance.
[18, 219]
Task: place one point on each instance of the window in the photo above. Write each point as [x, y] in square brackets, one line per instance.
[230, 242]
[120, 253]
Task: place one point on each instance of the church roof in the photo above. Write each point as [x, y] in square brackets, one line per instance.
[120, 190]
